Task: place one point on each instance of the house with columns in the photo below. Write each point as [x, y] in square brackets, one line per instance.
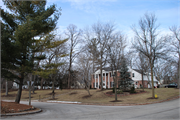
[108, 81]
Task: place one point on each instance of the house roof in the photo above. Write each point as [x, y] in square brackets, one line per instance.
[139, 71]
[108, 68]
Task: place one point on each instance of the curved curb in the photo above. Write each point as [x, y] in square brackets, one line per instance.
[130, 104]
[21, 113]
[169, 99]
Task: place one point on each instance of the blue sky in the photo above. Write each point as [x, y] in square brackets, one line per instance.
[123, 13]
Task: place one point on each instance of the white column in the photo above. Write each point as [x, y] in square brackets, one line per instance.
[95, 80]
[105, 80]
[108, 80]
[98, 81]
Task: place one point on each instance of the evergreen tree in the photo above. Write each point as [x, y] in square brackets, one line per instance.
[124, 79]
[49, 70]
[27, 21]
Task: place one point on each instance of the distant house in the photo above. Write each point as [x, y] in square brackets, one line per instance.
[16, 86]
[3, 84]
[108, 81]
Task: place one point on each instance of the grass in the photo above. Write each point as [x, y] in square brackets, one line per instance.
[98, 96]
[25, 94]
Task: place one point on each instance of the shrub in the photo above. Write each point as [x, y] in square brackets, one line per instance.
[132, 90]
[119, 92]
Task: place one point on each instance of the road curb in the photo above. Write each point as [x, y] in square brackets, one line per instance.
[160, 101]
[37, 111]
[169, 99]
[21, 113]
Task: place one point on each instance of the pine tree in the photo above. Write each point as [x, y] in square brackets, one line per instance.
[124, 79]
[27, 21]
[50, 69]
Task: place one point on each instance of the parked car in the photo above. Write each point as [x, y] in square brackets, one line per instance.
[172, 85]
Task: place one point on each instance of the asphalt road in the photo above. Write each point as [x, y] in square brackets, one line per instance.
[166, 110]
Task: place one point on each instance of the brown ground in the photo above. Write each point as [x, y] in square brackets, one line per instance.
[12, 107]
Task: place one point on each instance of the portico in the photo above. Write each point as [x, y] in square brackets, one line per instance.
[107, 79]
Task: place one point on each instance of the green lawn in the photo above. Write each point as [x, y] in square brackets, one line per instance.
[97, 96]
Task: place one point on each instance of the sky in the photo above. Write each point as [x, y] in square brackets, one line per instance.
[124, 13]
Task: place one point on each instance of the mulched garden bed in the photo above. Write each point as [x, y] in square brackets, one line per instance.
[116, 101]
[72, 93]
[86, 96]
[124, 93]
[12, 107]
[152, 98]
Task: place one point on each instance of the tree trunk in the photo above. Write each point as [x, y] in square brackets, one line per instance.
[33, 83]
[18, 96]
[88, 90]
[69, 79]
[101, 82]
[6, 87]
[30, 92]
[42, 83]
[115, 86]
[101, 75]
[179, 68]
[152, 81]
[53, 88]
[70, 63]
[142, 80]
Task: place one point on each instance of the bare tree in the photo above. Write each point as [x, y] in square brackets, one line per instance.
[142, 66]
[91, 46]
[160, 69]
[175, 42]
[74, 37]
[85, 69]
[115, 51]
[102, 33]
[148, 42]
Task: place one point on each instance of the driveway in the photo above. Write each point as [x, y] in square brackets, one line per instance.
[166, 110]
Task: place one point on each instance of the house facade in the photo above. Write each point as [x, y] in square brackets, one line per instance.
[108, 81]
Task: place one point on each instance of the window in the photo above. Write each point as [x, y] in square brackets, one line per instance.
[103, 74]
[133, 75]
[94, 84]
[112, 84]
[110, 74]
[106, 74]
[107, 83]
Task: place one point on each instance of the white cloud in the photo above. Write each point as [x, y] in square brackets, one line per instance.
[89, 6]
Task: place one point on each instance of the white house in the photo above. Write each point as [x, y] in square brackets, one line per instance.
[108, 81]
[136, 76]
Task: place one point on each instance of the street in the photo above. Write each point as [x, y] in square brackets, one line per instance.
[166, 110]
